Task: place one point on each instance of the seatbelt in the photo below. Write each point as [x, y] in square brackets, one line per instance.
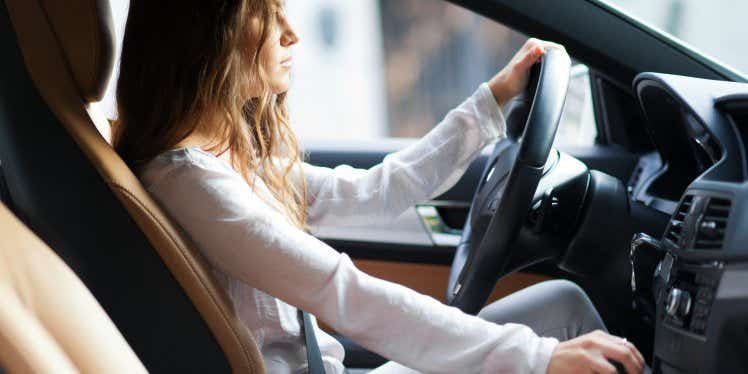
[313, 355]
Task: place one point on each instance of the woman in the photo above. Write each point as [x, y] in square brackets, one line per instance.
[202, 121]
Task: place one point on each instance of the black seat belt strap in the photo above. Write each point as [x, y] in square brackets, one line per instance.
[313, 354]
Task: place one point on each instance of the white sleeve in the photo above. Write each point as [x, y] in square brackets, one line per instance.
[246, 239]
[423, 170]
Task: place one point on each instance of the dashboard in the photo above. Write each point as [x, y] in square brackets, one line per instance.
[697, 175]
[699, 129]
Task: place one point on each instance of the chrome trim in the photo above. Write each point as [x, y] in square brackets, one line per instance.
[639, 240]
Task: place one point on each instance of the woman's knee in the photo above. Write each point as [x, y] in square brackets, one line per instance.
[567, 290]
[551, 305]
[567, 298]
[557, 294]
[576, 305]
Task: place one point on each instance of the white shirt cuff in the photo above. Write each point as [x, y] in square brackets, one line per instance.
[546, 346]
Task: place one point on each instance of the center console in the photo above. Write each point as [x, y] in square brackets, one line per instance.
[700, 283]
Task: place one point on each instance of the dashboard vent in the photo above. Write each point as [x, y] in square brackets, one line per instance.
[675, 228]
[710, 234]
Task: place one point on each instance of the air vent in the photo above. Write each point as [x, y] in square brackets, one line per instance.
[710, 234]
[675, 228]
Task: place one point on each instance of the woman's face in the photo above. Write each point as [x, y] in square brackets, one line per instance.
[276, 52]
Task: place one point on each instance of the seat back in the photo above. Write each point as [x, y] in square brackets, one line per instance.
[73, 190]
[49, 321]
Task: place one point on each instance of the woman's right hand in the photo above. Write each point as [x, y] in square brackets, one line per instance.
[590, 353]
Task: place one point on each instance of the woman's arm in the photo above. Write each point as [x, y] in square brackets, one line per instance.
[423, 170]
[248, 240]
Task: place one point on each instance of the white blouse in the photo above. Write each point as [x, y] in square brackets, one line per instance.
[269, 267]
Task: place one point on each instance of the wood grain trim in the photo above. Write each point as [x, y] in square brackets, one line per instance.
[432, 279]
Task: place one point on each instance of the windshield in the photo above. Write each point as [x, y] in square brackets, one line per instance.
[715, 27]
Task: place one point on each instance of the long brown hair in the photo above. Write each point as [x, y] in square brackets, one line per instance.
[185, 67]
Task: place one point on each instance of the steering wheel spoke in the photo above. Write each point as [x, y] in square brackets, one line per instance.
[491, 187]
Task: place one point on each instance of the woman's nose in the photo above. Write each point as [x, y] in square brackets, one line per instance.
[289, 37]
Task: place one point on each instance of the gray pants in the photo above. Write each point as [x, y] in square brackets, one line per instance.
[556, 308]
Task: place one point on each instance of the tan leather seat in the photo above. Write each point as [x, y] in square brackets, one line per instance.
[72, 193]
[49, 321]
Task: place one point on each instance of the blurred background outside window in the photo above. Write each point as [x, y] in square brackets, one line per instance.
[369, 69]
[713, 27]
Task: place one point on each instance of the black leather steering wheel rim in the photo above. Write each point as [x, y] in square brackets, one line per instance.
[505, 192]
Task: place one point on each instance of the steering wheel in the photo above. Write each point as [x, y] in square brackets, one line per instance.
[507, 186]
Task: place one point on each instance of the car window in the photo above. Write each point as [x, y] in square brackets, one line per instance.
[119, 16]
[714, 27]
[577, 126]
[369, 69]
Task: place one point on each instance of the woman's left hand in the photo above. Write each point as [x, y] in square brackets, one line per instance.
[512, 79]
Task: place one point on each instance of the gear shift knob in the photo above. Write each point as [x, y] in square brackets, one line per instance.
[643, 248]
[646, 253]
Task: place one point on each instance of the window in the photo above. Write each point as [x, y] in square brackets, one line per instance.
[577, 126]
[716, 27]
[119, 16]
[370, 69]
[394, 68]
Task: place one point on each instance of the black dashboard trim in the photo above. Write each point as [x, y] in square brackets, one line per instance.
[695, 100]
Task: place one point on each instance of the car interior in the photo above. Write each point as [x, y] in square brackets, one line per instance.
[648, 220]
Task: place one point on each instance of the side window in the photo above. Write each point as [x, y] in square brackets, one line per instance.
[119, 16]
[371, 69]
[577, 126]
[388, 68]
[393, 68]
